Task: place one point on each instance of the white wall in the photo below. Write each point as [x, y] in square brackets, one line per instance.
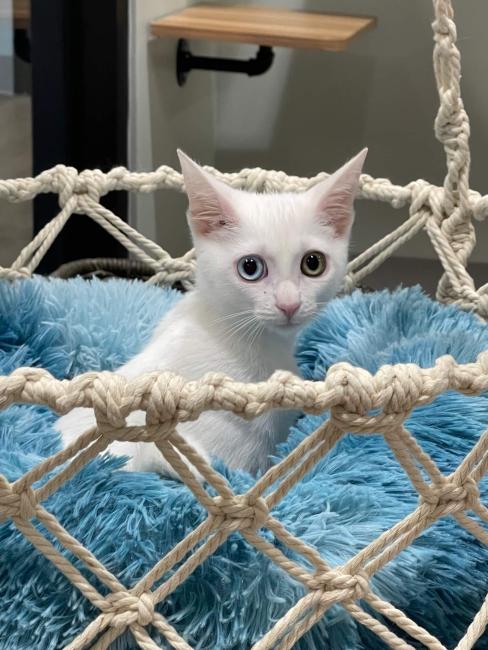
[313, 110]
[162, 118]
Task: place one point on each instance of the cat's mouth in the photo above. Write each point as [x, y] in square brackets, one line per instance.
[278, 324]
[288, 326]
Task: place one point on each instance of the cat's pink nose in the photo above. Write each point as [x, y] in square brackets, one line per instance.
[289, 308]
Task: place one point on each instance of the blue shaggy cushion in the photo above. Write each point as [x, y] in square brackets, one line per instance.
[130, 520]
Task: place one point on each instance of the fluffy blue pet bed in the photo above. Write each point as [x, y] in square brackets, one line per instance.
[352, 495]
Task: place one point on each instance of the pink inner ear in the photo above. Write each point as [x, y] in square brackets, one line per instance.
[210, 206]
[335, 210]
[209, 212]
[335, 196]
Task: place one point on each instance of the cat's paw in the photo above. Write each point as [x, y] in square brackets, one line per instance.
[143, 457]
[146, 457]
[74, 423]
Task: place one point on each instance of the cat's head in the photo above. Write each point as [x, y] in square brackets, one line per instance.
[270, 260]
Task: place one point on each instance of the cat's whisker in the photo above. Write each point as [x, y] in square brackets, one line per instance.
[248, 330]
[246, 333]
[245, 318]
[231, 326]
[233, 315]
[257, 331]
[250, 333]
[242, 324]
[239, 316]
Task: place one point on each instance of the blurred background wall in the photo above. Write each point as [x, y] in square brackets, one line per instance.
[310, 112]
[313, 110]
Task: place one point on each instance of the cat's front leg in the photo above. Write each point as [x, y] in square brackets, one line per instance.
[146, 457]
[143, 456]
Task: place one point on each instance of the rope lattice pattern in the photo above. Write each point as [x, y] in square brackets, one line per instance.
[358, 402]
[445, 213]
[351, 395]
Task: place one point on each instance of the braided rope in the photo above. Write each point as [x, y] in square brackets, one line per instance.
[81, 193]
[350, 393]
[359, 403]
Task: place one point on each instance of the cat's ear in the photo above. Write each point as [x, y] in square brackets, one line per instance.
[333, 198]
[210, 200]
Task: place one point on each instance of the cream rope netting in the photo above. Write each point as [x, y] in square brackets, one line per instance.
[351, 394]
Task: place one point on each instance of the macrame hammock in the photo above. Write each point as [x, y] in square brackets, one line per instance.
[359, 403]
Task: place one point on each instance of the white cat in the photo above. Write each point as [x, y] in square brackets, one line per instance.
[266, 264]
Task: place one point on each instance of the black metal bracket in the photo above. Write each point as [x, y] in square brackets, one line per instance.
[186, 61]
[22, 44]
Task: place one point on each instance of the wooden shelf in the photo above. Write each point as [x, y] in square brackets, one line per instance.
[21, 14]
[263, 26]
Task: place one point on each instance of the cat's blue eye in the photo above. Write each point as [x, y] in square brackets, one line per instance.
[251, 268]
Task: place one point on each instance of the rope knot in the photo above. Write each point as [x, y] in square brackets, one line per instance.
[481, 302]
[356, 386]
[421, 193]
[91, 183]
[27, 502]
[452, 496]
[110, 400]
[128, 608]
[166, 401]
[16, 501]
[352, 586]
[64, 183]
[445, 27]
[241, 510]
[14, 274]
[170, 270]
[254, 180]
[401, 387]
[69, 184]
[480, 208]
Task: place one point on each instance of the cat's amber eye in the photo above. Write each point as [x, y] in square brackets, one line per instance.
[313, 264]
[251, 268]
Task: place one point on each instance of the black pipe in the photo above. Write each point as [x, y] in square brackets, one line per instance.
[22, 46]
[186, 61]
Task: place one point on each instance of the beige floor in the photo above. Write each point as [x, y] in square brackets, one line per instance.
[15, 161]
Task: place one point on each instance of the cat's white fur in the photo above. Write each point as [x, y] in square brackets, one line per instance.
[237, 327]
